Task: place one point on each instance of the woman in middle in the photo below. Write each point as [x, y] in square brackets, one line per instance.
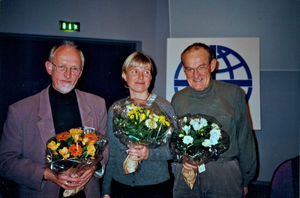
[152, 179]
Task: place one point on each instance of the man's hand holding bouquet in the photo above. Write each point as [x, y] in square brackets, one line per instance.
[197, 140]
[73, 157]
[140, 126]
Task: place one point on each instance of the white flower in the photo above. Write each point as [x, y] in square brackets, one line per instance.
[130, 108]
[194, 121]
[188, 139]
[206, 143]
[185, 119]
[151, 124]
[186, 129]
[196, 126]
[203, 122]
[198, 123]
[215, 135]
[214, 125]
[213, 140]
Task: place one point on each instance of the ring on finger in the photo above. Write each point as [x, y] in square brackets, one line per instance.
[66, 183]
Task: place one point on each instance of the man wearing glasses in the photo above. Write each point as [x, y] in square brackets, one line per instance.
[33, 120]
[230, 174]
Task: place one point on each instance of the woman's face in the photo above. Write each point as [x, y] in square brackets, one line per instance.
[138, 78]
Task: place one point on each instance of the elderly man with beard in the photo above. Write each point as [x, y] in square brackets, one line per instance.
[33, 120]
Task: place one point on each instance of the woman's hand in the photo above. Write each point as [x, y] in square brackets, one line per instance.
[140, 152]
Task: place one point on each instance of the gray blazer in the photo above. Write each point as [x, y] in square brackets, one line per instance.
[28, 127]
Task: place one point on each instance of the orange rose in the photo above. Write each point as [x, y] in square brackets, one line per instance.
[63, 136]
[75, 150]
[90, 138]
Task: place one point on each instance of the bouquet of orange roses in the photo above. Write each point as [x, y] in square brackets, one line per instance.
[140, 124]
[198, 140]
[75, 150]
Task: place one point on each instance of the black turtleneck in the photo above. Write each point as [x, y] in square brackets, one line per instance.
[65, 110]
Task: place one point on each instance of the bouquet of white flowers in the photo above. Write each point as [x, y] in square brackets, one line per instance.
[197, 140]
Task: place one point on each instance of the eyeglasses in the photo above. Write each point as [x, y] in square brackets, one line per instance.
[62, 68]
[200, 68]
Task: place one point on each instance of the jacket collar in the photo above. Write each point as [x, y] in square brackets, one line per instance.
[45, 123]
[85, 110]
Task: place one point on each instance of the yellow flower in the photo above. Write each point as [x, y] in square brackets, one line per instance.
[53, 145]
[142, 117]
[91, 150]
[85, 140]
[147, 112]
[131, 116]
[151, 124]
[162, 119]
[75, 133]
[167, 123]
[64, 152]
[130, 113]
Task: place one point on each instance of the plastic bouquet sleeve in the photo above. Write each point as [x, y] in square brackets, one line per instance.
[197, 140]
[140, 124]
[74, 151]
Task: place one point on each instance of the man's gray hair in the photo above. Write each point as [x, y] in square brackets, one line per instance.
[70, 44]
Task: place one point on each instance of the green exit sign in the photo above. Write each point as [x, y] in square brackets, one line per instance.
[69, 26]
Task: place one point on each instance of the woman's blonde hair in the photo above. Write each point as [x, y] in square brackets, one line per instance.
[137, 59]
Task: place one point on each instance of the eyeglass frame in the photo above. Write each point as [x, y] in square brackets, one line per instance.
[63, 68]
[200, 68]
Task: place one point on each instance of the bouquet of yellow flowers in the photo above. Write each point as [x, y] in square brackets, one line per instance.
[197, 140]
[140, 124]
[75, 150]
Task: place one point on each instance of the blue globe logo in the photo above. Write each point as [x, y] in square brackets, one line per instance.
[232, 69]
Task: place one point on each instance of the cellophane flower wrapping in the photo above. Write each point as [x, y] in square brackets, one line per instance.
[74, 151]
[140, 124]
[197, 140]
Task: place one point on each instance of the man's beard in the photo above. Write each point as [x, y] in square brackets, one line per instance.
[65, 88]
